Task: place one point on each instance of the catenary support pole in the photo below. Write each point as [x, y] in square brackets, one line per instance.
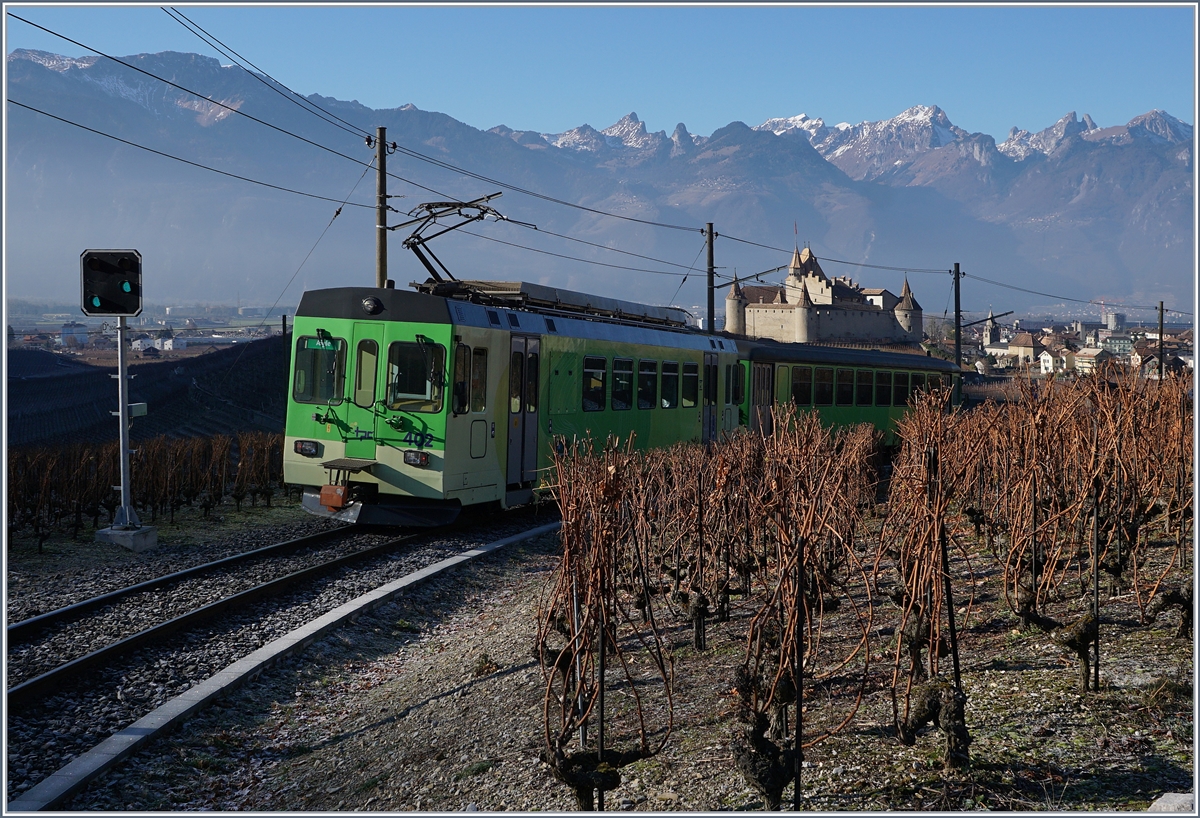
[957, 338]
[711, 327]
[1160, 341]
[381, 231]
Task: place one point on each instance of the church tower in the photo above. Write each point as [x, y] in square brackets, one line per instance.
[991, 331]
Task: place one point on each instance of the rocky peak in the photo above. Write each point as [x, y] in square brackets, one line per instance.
[1021, 143]
[630, 132]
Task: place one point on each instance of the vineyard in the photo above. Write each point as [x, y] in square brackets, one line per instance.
[1071, 499]
[67, 488]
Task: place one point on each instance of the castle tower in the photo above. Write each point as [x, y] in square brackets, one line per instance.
[803, 315]
[909, 315]
[735, 311]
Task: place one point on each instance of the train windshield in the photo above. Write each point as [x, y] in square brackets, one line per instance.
[415, 377]
[320, 369]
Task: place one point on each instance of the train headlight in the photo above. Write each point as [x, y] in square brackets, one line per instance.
[412, 458]
[372, 305]
[308, 448]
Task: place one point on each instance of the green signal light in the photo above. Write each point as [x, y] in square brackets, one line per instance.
[125, 286]
[95, 301]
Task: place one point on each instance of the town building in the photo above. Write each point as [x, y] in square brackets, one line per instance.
[1091, 359]
[810, 307]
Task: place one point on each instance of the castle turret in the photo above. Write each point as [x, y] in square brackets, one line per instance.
[803, 313]
[909, 315]
[735, 311]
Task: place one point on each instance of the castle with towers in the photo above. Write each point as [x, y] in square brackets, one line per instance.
[810, 307]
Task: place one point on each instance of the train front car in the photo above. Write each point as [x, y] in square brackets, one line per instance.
[367, 406]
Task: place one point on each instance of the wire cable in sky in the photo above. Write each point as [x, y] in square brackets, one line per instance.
[606, 247]
[221, 104]
[279, 298]
[188, 161]
[839, 261]
[1065, 298]
[291, 96]
[573, 258]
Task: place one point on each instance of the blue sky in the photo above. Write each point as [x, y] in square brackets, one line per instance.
[549, 69]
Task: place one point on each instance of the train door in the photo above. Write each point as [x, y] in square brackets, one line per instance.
[708, 430]
[762, 394]
[523, 372]
[364, 391]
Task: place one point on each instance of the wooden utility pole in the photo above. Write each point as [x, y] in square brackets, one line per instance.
[381, 208]
[1160, 341]
[709, 234]
[957, 338]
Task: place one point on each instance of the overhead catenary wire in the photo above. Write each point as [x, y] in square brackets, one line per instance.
[188, 161]
[219, 104]
[1107, 303]
[573, 258]
[290, 95]
[304, 261]
[840, 261]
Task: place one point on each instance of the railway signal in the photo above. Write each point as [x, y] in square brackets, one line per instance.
[111, 282]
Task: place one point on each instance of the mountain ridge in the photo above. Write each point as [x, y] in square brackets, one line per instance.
[1083, 205]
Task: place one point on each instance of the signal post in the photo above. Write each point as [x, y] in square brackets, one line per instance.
[111, 286]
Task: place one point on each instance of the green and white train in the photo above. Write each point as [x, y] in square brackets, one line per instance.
[406, 406]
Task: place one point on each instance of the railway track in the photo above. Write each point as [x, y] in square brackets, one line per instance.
[57, 714]
[24, 694]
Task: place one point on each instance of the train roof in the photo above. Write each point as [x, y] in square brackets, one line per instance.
[523, 295]
[768, 350]
[394, 305]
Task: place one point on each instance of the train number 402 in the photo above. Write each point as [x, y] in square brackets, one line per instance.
[422, 440]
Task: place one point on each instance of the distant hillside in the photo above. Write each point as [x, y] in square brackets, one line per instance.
[54, 400]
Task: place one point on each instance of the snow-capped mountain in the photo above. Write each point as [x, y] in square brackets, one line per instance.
[1076, 207]
[869, 150]
[1021, 143]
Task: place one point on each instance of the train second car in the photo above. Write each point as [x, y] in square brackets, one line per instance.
[406, 406]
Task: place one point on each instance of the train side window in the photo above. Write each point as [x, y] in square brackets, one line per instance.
[691, 385]
[739, 383]
[823, 386]
[595, 370]
[900, 389]
[845, 387]
[783, 385]
[864, 387]
[728, 384]
[647, 384]
[883, 388]
[918, 383]
[415, 376]
[622, 388]
[935, 383]
[460, 388]
[479, 379]
[670, 384]
[516, 379]
[366, 362]
[531, 382]
[802, 385]
[320, 369]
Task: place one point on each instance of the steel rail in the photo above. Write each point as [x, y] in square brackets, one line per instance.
[22, 696]
[28, 629]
